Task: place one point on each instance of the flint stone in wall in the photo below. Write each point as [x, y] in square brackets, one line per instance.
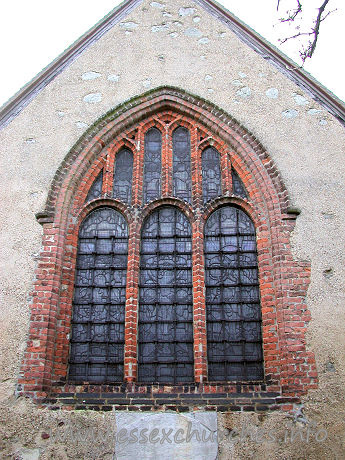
[165, 436]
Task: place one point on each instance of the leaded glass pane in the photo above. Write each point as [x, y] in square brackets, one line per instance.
[165, 342]
[232, 297]
[237, 185]
[211, 176]
[152, 165]
[96, 188]
[97, 339]
[182, 164]
[123, 172]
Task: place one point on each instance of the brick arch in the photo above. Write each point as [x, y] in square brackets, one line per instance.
[283, 304]
[94, 143]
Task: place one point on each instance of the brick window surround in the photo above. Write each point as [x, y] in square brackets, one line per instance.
[289, 367]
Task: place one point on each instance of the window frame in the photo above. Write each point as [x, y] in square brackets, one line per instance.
[44, 368]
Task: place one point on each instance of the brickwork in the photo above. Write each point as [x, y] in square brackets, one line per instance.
[289, 367]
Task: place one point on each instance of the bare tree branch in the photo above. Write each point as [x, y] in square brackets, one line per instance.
[307, 51]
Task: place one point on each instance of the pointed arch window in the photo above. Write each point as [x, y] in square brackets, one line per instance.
[123, 173]
[152, 165]
[96, 188]
[234, 343]
[165, 331]
[165, 261]
[182, 164]
[211, 176]
[97, 336]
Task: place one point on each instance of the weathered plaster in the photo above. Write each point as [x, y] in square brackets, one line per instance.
[306, 143]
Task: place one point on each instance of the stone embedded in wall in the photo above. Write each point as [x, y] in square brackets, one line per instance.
[81, 125]
[60, 113]
[91, 75]
[203, 40]
[244, 92]
[173, 34]
[289, 113]
[323, 122]
[193, 32]
[272, 93]
[92, 98]
[314, 111]
[208, 77]
[146, 83]
[166, 14]
[236, 82]
[166, 435]
[300, 100]
[196, 19]
[160, 27]
[242, 75]
[114, 77]
[188, 11]
[129, 25]
[157, 5]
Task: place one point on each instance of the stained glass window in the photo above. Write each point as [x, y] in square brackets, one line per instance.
[233, 311]
[123, 172]
[152, 165]
[237, 185]
[96, 188]
[182, 164]
[165, 351]
[211, 177]
[97, 338]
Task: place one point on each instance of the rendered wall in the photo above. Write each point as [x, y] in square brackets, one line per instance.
[181, 45]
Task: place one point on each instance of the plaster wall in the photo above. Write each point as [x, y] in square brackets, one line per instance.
[177, 43]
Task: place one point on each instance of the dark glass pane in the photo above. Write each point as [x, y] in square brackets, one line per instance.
[123, 172]
[152, 165]
[97, 339]
[165, 345]
[234, 344]
[237, 185]
[96, 188]
[182, 164]
[211, 177]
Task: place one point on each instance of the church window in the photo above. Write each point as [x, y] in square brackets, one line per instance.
[123, 176]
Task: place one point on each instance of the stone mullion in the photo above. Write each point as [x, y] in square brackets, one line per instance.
[199, 308]
[132, 302]
[225, 166]
[138, 169]
[167, 163]
[196, 170]
[108, 173]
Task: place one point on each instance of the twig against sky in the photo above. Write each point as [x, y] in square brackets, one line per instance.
[307, 50]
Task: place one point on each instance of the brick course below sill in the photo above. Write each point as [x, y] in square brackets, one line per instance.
[182, 398]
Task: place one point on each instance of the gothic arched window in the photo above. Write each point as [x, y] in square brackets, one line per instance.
[165, 331]
[165, 250]
[97, 336]
[233, 311]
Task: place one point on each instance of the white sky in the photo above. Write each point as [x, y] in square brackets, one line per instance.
[33, 33]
